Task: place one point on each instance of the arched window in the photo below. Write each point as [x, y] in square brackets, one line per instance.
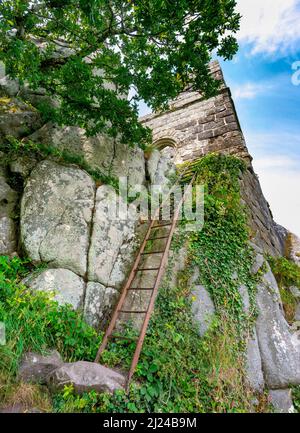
[161, 143]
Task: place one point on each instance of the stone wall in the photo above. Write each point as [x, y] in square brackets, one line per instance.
[262, 227]
[56, 214]
[195, 127]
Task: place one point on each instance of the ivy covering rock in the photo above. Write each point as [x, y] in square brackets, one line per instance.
[178, 371]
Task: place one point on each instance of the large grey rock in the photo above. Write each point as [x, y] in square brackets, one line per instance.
[255, 247]
[100, 152]
[279, 348]
[282, 234]
[295, 292]
[17, 119]
[99, 301]
[35, 368]
[8, 201]
[8, 198]
[152, 164]
[8, 242]
[113, 240]
[161, 166]
[22, 165]
[85, 377]
[2, 164]
[9, 87]
[69, 287]
[281, 400]
[177, 260]
[294, 246]
[203, 308]
[297, 313]
[258, 263]
[56, 213]
[243, 291]
[254, 365]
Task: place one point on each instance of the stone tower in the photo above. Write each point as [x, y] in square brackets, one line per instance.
[194, 127]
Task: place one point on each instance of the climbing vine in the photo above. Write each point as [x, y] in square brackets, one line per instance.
[220, 251]
[178, 371]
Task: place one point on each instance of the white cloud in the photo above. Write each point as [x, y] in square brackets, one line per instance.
[249, 90]
[280, 180]
[271, 25]
[277, 163]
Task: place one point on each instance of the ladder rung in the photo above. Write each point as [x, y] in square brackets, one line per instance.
[140, 288]
[152, 252]
[134, 312]
[162, 225]
[146, 269]
[155, 239]
[128, 286]
[120, 337]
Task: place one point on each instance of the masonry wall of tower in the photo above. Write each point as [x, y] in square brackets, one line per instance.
[198, 126]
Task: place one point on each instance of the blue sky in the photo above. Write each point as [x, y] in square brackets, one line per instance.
[268, 105]
[267, 102]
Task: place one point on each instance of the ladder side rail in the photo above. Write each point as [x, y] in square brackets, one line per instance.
[129, 281]
[123, 296]
[155, 291]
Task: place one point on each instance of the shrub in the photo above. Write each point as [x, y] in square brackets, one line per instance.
[178, 371]
[35, 322]
[287, 274]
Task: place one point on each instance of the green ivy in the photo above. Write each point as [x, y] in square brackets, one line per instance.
[220, 250]
[296, 398]
[178, 370]
[287, 274]
[34, 322]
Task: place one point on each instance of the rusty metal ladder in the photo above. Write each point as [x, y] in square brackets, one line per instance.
[154, 224]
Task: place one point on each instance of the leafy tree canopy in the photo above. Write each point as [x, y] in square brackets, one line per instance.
[151, 49]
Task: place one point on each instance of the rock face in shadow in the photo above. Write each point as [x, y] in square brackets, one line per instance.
[100, 152]
[86, 377]
[203, 308]
[281, 400]
[254, 371]
[17, 119]
[67, 223]
[98, 302]
[161, 166]
[8, 201]
[35, 368]
[279, 347]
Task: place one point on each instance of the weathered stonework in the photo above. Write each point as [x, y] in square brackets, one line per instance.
[263, 228]
[194, 127]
